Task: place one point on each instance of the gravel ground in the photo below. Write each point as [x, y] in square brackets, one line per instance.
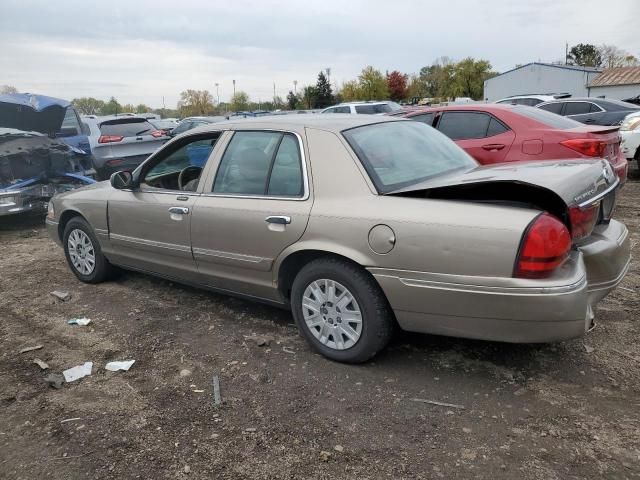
[560, 411]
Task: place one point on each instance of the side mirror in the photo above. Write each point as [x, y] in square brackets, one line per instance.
[121, 180]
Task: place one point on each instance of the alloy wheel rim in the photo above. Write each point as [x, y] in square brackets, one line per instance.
[332, 314]
[81, 252]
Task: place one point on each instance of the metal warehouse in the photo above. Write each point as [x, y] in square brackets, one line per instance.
[540, 78]
[620, 83]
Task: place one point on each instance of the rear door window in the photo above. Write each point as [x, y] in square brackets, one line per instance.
[555, 107]
[464, 125]
[126, 128]
[373, 109]
[577, 108]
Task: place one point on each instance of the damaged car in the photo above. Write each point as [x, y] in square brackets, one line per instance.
[39, 154]
[360, 224]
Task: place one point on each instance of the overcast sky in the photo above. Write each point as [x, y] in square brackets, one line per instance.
[140, 51]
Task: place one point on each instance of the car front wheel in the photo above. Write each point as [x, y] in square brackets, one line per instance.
[83, 252]
[341, 311]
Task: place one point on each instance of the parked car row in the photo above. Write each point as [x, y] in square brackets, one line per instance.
[396, 225]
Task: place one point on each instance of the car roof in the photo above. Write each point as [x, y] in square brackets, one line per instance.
[612, 103]
[335, 123]
[472, 107]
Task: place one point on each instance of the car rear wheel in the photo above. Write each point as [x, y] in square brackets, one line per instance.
[341, 311]
[83, 252]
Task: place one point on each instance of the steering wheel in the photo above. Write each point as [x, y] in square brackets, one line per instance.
[187, 174]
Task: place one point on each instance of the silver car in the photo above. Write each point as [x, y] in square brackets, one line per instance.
[359, 224]
[124, 143]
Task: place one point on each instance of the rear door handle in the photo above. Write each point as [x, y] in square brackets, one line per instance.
[139, 138]
[279, 219]
[179, 210]
[493, 146]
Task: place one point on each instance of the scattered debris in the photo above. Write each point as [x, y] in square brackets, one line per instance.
[631, 357]
[54, 380]
[339, 448]
[216, 390]
[466, 430]
[60, 295]
[325, 456]
[185, 372]
[588, 349]
[520, 392]
[75, 419]
[121, 365]
[31, 349]
[197, 391]
[186, 469]
[441, 404]
[250, 430]
[288, 350]
[79, 321]
[41, 364]
[627, 289]
[260, 340]
[78, 372]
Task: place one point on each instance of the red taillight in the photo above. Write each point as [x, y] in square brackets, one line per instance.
[545, 246]
[586, 146]
[157, 133]
[110, 138]
[583, 220]
[115, 161]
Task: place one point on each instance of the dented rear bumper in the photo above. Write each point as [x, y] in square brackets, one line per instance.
[512, 309]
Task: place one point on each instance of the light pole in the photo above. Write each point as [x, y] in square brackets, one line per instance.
[234, 88]
[295, 87]
[274, 95]
[217, 93]
[328, 70]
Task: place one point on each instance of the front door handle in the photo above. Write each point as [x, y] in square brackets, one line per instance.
[493, 146]
[279, 219]
[179, 210]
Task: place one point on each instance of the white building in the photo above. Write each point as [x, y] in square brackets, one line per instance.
[540, 78]
[619, 83]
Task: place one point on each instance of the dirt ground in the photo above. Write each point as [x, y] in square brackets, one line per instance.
[563, 411]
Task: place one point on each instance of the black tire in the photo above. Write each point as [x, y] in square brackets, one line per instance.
[102, 270]
[378, 321]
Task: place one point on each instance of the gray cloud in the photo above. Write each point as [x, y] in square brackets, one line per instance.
[143, 50]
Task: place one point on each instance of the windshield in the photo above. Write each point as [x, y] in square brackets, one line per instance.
[400, 154]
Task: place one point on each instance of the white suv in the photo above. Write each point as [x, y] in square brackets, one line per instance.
[630, 133]
[371, 108]
[532, 100]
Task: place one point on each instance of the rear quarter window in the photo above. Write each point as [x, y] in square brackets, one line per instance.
[552, 107]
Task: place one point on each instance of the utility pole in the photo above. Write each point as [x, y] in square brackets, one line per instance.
[274, 95]
[328, 70]
[217, 93]
[234, 88]
[295, 87]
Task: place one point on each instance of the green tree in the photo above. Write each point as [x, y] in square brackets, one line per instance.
[309, 95]
[397, 85]
[8, 89]
[88, 105]
[142, 108]
[293, 100]
[585, 55]
[351, 91]
[373, 85]
[112, 107]
[324, 94]
[240, 101]
[129, 108]
[195, 102]
[469, 76]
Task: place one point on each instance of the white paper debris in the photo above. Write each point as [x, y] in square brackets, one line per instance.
[123, 365]
[79, 321]
[75, 373]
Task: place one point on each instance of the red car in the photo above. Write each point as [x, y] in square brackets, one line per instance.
[493, 133]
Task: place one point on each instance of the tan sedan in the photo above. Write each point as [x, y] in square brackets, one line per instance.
[359, 224]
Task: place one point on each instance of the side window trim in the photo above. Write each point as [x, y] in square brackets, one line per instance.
[496, 119]
[210, 181]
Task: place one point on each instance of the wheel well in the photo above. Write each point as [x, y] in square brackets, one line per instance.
[64, 219]
[294, 263]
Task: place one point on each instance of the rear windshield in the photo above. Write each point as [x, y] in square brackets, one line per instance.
[377, 108]
[127, 127]
[400, 154]
[549, 119]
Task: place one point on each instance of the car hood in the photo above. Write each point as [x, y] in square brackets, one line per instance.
[25, 111]
[574, 181]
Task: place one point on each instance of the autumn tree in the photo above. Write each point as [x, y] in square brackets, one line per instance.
[129, 108]
[373, 85]
[397, 85]
[613, 57]
[8, 89]
[350, 91]
[585, 55]
[195, 102]
[324, 94]
[88, 105]
[142, 108]
[469, 76]
[239, 102]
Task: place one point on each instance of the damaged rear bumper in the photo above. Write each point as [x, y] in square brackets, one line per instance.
[511, 309]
